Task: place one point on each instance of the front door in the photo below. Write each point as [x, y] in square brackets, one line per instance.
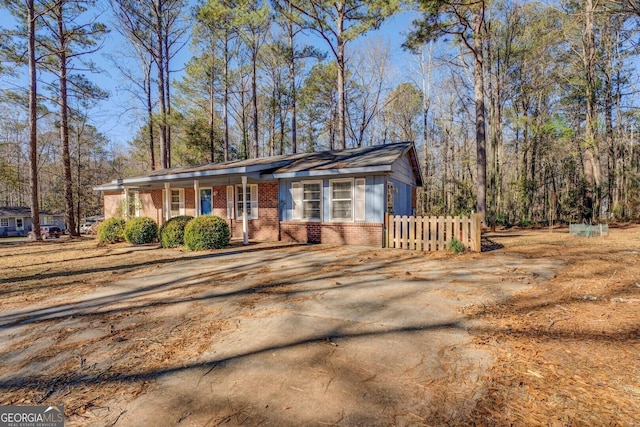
[205, 201]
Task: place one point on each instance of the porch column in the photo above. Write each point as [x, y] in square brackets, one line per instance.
[125, 204]
[167, 202]
[196, 189]
[245, 222]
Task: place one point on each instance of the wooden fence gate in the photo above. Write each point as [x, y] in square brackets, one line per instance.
[432, 233]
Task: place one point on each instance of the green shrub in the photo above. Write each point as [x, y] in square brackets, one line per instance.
[456, 246]
[139, 231]
[206, 232]
[111, 230]
[171, 234]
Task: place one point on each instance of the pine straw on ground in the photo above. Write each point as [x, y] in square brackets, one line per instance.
[567, 349]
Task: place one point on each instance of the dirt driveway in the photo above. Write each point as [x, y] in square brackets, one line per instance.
[269, 335]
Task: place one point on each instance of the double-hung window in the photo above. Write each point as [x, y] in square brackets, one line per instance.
[4, 222]
[133, 204]
[177, 202]
[307, 200]
[342, 200]
[250, 200]
[19, 224]
[348, 200]
[312, 201]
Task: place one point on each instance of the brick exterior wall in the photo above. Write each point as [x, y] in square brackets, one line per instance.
[190, 201]
[219, 207]
[358, 234]
[112, 201]
[266, 227]
[151, 205]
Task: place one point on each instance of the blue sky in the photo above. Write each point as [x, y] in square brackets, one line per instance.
[116, 117]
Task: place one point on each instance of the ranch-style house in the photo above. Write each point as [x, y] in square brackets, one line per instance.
[335, 197]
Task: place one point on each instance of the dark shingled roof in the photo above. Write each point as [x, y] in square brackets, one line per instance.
[379, 155]
[342, 160]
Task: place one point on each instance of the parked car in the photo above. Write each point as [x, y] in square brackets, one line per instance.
[47, 232]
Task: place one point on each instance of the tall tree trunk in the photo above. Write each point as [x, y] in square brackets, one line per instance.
[254, 93]
[33, 122]
[152, 150]
[342, 124]
[225, 101]
[481, 143]
[159, 60]
[212, 109]
[292, 86]
[64, 126]
[591, 164]
[426, 95]
[167, 91]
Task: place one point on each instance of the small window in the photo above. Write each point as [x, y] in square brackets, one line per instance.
[342, 200]
[19, 224]
[4, 222]
[251, 201]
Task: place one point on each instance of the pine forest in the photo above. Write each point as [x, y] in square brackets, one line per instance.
[525, 112]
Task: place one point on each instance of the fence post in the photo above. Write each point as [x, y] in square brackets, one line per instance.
[476, 231]
[419, 238]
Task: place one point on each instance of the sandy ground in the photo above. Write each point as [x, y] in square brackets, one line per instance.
[542, 329]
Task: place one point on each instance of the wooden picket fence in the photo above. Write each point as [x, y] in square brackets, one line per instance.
[432, 233]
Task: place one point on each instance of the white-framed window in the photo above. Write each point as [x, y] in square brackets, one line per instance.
[307, 200]
[347, 199]
[342, 200]
[133, 204]
[177, 202]
[312, 200]
[250, 200]
[19, 224]
[46, 220]
[4, 222]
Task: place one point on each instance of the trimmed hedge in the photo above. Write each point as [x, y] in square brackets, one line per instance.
[111, 230]
[206, 232]
[141, 230]
[171, 234]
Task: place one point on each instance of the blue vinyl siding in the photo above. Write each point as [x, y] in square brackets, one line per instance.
[401, 198]
[402, 171]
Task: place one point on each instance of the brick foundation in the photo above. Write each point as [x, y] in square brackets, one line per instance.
[358, 234]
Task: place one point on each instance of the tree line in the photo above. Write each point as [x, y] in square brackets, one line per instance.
[524, 112]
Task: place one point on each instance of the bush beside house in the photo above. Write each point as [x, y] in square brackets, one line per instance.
[171, 234]
[206, 232]
[111, 230]
[140, 231]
